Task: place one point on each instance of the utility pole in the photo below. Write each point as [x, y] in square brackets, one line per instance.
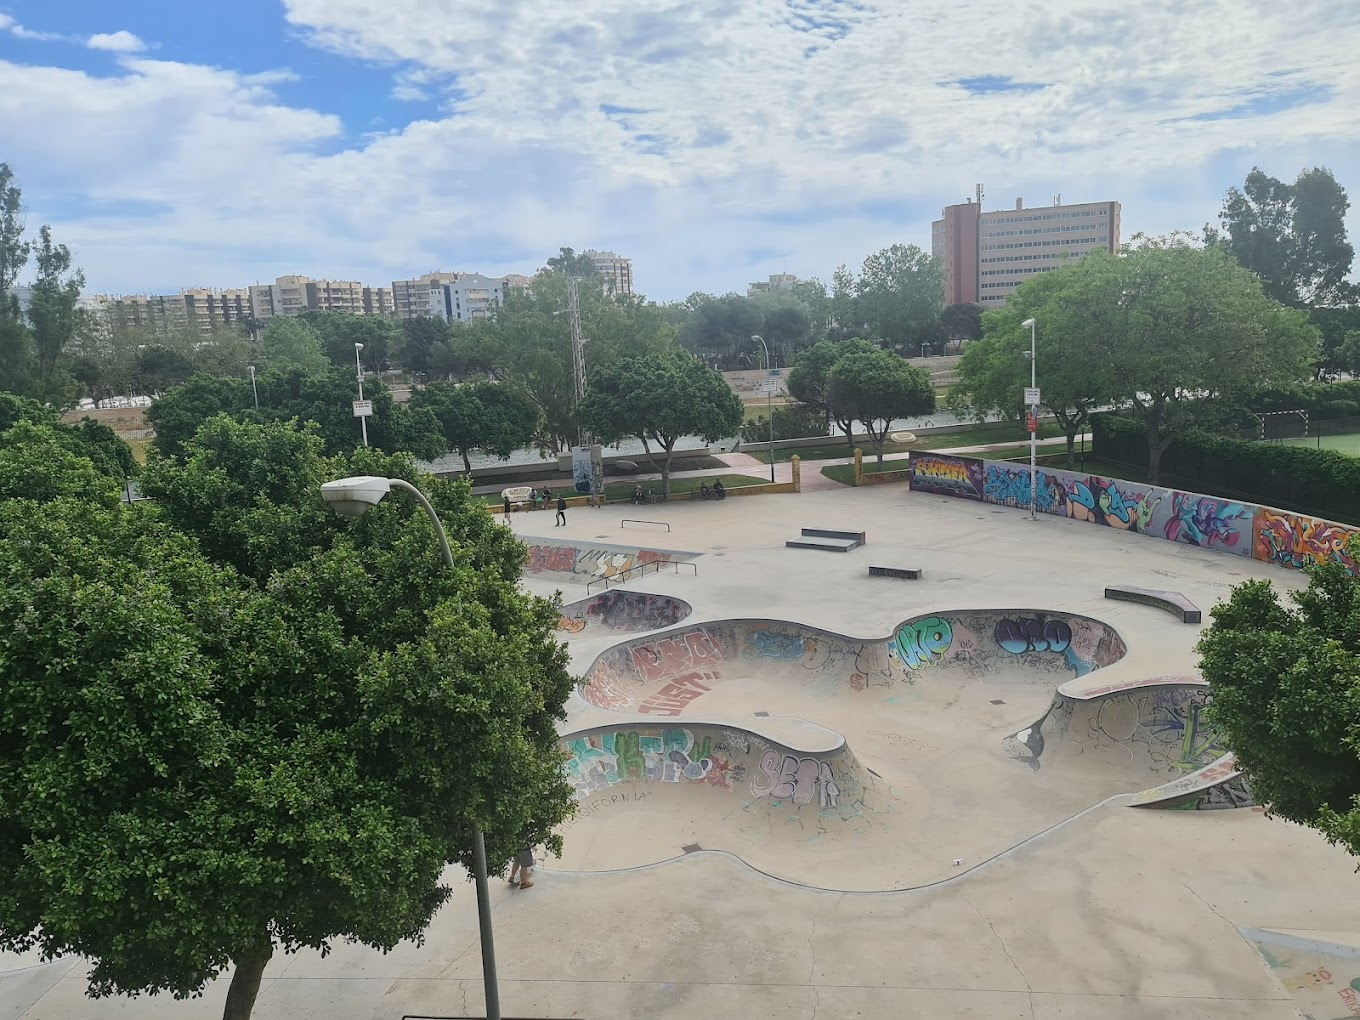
[977, 246]
[578, 351]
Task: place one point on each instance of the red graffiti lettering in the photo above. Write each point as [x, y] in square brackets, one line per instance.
[670, 657]
[672, 699]
[556, 558]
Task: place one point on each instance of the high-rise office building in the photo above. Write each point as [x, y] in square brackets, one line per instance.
[988, 254]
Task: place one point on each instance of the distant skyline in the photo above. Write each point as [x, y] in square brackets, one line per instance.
[221, 145]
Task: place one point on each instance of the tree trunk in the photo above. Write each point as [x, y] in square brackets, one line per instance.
[1154, 455]
[1071, 448]
[467, 466]
[666, 472]
[245, 983]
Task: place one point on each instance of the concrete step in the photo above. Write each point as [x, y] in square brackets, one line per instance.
[829, 544]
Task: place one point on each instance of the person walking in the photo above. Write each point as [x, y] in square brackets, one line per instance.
[507, 506]
[561, 512]
[524, 865]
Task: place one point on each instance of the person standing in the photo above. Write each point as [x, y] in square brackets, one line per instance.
[507, 506]
[524, 865]
[561, 512]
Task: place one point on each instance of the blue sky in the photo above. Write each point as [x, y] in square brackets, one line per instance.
[214, 144]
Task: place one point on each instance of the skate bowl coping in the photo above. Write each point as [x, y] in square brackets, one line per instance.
[1172, 601]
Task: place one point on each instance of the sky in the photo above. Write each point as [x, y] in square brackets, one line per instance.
[713, 142]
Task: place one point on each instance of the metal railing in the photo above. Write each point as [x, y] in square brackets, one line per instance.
[659, 524]
[641, 571]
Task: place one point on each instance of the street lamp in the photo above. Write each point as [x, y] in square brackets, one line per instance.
[252, 386]
[1034, 410]
[769, 400]
[350, 497]
[359, 371]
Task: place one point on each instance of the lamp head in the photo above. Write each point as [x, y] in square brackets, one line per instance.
[1028, 324]
[358, 347]
[760, 338]
[350, 497]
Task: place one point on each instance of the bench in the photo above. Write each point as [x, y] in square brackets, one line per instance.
[832, 541]
[905, 573]
[518, 495]
[1172, 601]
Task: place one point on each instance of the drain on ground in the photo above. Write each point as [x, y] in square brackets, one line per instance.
[997, 701]
[690, 848]
[763, 715]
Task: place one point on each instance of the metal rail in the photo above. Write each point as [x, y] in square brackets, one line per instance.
[659, 524]
[641, 570]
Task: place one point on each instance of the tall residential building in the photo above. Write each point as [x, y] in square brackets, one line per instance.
[412, 299]
[988, 254]
[293, 295]
[616, 270]
[471, 296]
[378, 301]
[201, 308]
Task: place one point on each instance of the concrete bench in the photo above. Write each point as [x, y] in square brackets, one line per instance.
[905, 573]
[822, 538]
[1172, 601]
[518, 495]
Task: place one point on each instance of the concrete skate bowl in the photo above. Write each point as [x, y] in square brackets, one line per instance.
[625, 611]
[584, 562]
[925, 773]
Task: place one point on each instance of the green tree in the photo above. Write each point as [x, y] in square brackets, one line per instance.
[42, 463]
[900, 293]
[660, 399]
[177, 415]
[158, 368]
[1182, 324]
[962, 322]
[15, 346]
[1335, 324]
[1292, 236]
[813, 296]
[721, 328]
[296, 751]
[1073, 307]
[292, 343]
[340, 331]
[569, 263]
[875, 388]
[491, 417]
[846, 316]
[1285, 686]
[55, 314]
[420, 337]
[809, 381]
[87, 439]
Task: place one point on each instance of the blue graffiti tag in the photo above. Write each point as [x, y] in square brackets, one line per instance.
[1020, 636]
[922, 641]
[768, 644]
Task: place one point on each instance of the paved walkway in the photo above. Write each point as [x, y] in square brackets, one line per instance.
[813, 479]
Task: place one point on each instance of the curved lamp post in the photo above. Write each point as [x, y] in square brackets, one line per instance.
[350, 497]
[769, 400]
[359, 372]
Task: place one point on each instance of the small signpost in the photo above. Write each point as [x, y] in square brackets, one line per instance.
[363, 409]
[1032, 396]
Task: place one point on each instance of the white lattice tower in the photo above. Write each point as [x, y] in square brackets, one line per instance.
[578, 348]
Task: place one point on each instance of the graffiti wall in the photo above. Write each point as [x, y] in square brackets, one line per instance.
[1210, 522]
[666, 674]
[585, 563]
[630, 764]
[623, 610]
[948, 476]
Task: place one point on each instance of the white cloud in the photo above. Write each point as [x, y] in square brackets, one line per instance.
[711, 142]
[8, 24]
[117, 42]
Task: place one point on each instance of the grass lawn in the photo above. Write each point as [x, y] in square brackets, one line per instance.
[1349, 444]
[843, 473]
[139, 448]
[966, 437]
[623, 491]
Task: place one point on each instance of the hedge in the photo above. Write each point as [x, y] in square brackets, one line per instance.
[1321, 483]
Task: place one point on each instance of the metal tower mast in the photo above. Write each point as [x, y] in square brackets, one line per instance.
[578, 350]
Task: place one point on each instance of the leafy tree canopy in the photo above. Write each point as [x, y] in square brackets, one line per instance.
[900, 293]
[291, 342]
[381, 335]
[492, 417]
[290, 729]
[1292, 236]
[875, 388]
[809, 379]
[660, 398]
[1285, 683]
[567, 262]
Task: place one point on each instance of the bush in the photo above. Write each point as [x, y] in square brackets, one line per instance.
[796, 421]
[1322, 483]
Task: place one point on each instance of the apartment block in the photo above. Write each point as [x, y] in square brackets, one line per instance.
[200, 308]
[616, 270]
[471, 296]
[378, 301]
[412, 299]
[988, 254]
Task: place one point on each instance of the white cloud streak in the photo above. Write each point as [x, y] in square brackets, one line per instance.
[116, 42]
[713, 142]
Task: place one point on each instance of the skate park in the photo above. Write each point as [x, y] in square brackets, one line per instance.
[975, 847]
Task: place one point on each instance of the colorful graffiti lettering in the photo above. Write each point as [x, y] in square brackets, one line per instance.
[570, 624]
[1203, 520]
[555, 558]
[694, 652]
[922, 641]
[601, 760]
[1006, 486]
[949, 476]
[769, 644]
[635, 611]
[591, 562]
[1030, 635]
[795, 779]
[672, 699]
[1294, 541]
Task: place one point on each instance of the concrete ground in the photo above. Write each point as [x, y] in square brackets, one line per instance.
[1112, 913]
